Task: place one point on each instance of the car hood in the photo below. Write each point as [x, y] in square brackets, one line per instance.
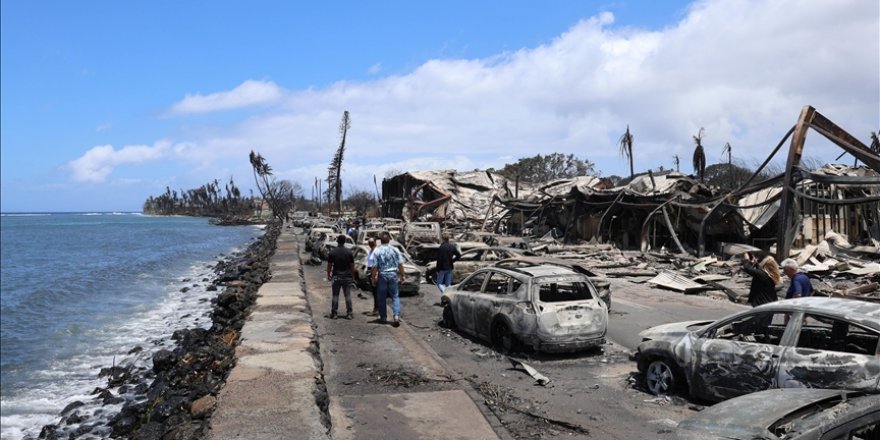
[749, 416]
[672, 331]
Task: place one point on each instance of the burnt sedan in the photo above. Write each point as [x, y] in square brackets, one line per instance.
[805, 342]
[474, 259]
[408, 286]
[546, 308]
[790, 414]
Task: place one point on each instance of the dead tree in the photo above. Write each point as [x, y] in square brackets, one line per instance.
[699, 159]
[626, 149]
[334, 175]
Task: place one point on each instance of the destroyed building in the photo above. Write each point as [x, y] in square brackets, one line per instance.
[668, 210]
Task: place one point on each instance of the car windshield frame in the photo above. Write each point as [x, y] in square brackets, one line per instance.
[785, 340]
[537, 281]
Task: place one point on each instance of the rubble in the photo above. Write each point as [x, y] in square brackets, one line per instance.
[669, 229]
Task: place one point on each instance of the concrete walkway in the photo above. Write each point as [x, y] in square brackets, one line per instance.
[274, 389]
[270, 393]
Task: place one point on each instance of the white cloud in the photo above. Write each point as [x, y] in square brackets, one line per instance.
[97, 163]
[743, 69]
[249, 93]
[375, 68]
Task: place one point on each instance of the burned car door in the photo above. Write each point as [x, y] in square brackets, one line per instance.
[361, 276]
[739, 355]
[831, 353]
[495, 298]
[463, 307]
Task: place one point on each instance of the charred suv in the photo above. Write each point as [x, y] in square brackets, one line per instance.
[798, 343]
[547, 308]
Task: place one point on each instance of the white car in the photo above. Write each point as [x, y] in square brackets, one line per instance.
[546, 308]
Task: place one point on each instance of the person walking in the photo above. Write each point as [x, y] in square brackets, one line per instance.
[765, 277]
[447, 255]
[340, 271]
[387, 273]
[371, 261]
[800, 285]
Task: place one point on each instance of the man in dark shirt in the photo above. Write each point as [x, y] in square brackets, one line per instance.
[446, 256]
[340, 270]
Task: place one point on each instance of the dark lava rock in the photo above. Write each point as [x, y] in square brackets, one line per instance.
[71, 406]
[184, 289]
[136, 349]
[76, 417]
[123, 424]
[163, 360]
[170, 407]
[49, 432]
[151, 431]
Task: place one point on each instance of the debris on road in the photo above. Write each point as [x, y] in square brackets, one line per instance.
[540, 379]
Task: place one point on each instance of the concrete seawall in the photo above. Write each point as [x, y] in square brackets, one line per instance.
[275, 390]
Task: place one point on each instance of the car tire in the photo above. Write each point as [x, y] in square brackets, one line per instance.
[448, 318]
[503, 338]
[661, 377]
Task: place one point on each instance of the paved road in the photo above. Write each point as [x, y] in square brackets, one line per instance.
[591, 395]
[636, 307]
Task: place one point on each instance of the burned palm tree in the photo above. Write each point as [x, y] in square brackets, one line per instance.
[334, 174]
[266, 185]
[699, 159]
[626, 148]
[676, 161]
[728, 149]
[875, 142]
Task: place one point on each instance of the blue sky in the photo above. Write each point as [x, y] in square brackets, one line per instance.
[106, 103]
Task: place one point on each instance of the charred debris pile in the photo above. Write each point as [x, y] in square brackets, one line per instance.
[671, 230]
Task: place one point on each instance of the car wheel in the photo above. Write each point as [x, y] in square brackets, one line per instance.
[660, 377]
[448, 318]
[430, 277]
[502, 338]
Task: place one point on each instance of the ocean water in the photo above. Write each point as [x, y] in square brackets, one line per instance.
[78, 291]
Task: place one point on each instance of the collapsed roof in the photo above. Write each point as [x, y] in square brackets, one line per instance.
[661, 209]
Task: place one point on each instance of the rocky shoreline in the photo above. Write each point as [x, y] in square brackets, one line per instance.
[174, 399]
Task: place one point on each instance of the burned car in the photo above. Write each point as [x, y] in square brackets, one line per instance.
[314, 236]
[409, 286]
[327, 242]
[546, 308]
[602, 285]
[791, 414]
[425, 253]
[376, 233]
[420, 232]
[474, 259]
[805, 342]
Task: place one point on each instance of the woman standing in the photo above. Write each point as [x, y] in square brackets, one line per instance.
[765, 277]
